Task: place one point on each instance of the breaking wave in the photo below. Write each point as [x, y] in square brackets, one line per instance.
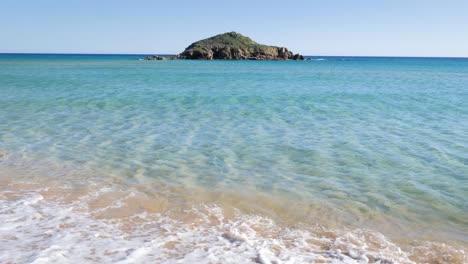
[52, 220]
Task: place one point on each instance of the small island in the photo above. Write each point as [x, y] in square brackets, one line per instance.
[232, 46]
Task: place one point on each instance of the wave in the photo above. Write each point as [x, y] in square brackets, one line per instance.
[46, 220]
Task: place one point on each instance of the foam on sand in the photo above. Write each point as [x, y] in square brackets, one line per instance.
[47, 220]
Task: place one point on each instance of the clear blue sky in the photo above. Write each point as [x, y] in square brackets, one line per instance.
[310, 27]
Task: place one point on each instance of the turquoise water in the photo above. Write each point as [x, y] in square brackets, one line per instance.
[382, 142]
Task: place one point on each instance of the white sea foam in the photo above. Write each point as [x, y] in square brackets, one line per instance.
[42, 223]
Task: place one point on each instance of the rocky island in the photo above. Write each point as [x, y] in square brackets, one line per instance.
[235, 46]
[232, 46]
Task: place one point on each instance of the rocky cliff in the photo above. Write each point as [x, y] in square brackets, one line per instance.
[234, 46]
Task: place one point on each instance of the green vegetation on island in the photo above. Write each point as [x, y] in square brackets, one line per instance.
[232, 46]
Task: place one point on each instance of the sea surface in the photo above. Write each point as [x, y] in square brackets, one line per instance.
[110, 159]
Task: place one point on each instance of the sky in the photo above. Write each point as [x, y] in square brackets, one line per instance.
[430, 28]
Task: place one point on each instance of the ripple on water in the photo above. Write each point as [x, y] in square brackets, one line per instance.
[70, 216]
[362, 143]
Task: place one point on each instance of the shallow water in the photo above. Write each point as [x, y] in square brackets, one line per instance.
[343, 160]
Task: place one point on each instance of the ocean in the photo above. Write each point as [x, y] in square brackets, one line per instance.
[107, 158]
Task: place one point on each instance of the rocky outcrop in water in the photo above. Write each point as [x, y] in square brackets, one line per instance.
[234, 46]
[155, 57]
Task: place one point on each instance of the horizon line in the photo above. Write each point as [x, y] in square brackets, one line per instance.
[171, 54]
